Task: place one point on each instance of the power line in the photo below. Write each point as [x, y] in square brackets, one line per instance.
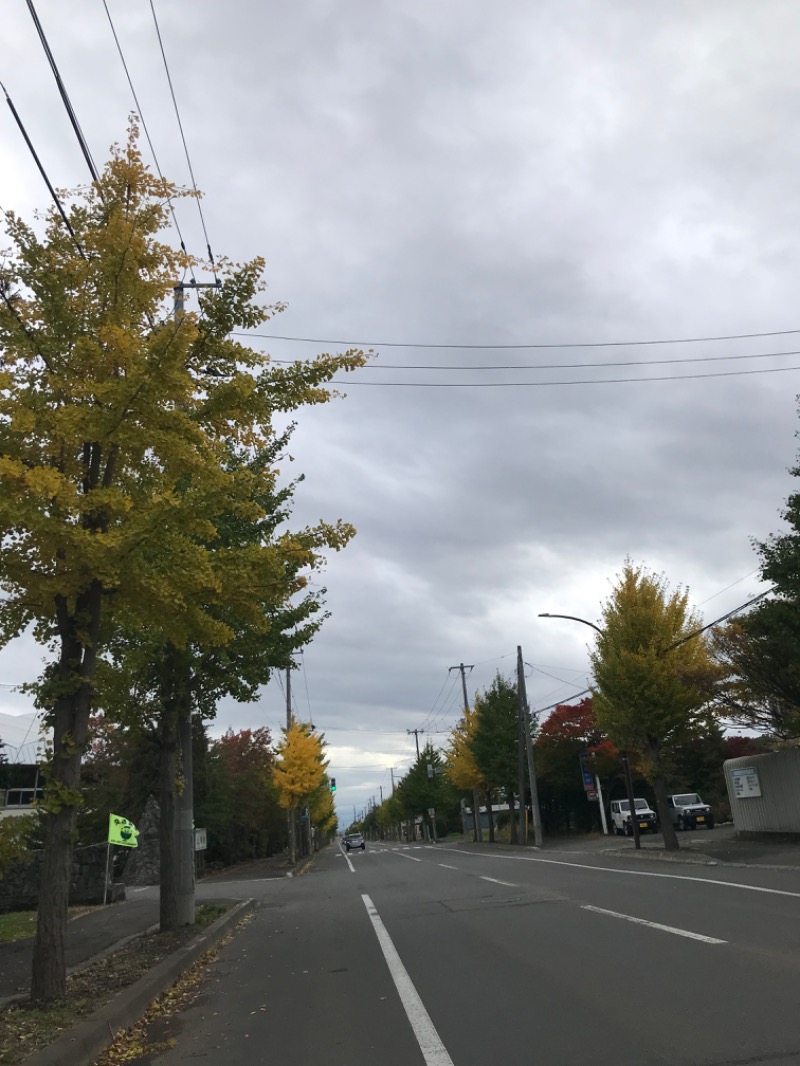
[546, 384]
[566, 366]
[43, 172]
[738, 581]
[73, 118]
[522, 347]
[140, 113]
[183, 139]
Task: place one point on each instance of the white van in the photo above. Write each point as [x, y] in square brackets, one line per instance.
[621, 818]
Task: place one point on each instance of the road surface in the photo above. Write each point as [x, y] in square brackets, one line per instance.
[439, 955]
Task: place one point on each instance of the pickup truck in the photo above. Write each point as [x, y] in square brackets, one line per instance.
[688, 811]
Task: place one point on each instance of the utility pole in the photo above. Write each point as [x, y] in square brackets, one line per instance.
[184, 802]
[290, 812]
[522, 820]
[536, 815]
[476, 812]
[391, 774]
[416, 733]
[631, 801]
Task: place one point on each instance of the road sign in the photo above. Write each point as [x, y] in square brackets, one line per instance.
[591, 794]
[200, 840]
[586, 773]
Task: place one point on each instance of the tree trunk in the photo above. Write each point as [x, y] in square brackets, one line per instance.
[476, 817]
[167, 796]
[512, 820]
[490, 813]
[78, 631]
[664, 815]
[49, 977]
[176, 831]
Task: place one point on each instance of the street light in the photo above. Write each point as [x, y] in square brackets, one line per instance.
[623, 754]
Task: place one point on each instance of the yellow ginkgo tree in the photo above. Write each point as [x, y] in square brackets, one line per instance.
[461, 767]
[117, 423]
[299, 772]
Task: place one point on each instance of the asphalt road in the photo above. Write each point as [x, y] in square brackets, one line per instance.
[454, 955]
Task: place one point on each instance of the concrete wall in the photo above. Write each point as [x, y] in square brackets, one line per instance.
[777, 809]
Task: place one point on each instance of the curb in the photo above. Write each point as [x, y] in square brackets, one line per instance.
[82, 1045]
[696, 858]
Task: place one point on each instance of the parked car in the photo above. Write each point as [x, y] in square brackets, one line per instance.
[621, 819]
[688, 811]
[354, 840]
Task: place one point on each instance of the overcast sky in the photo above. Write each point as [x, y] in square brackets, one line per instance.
[458, 174]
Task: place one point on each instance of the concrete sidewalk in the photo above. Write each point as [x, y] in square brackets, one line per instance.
[718, 845]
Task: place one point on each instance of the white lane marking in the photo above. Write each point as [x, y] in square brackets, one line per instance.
[412, 857]
[347, 859]
[655, 925]
[444, 864]
[433, 1050]
[633, 873]
[508, 884]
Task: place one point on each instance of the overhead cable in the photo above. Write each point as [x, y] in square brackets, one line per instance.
[519, 347]
[140, 113]
[183, 139]
[73, 118]
[43, 172]
[568, 366]
[549, 384]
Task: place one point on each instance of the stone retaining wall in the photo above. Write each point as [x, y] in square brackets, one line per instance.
[19, 889]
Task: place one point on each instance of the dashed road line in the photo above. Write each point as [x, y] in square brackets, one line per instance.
[655, 925]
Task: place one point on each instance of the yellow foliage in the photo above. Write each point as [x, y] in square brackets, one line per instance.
[300, 768]
[461, 767]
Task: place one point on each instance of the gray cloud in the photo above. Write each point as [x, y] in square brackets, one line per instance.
[453, 174]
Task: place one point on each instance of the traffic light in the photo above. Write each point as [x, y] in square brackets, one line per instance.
[333, 784]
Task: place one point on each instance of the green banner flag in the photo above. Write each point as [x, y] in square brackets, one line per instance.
[121, 831]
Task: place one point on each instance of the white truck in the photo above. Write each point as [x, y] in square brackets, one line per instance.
[688, 811]
[621, 819]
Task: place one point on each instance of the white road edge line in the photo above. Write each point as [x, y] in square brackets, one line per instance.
[654, 925]
[433, 1050]
[508, 884]
[628, 873]
[413, 858]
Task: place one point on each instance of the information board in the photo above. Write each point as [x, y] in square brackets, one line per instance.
[745, 782]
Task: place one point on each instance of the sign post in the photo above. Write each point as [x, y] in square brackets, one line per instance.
[122, 832]
[591, 785]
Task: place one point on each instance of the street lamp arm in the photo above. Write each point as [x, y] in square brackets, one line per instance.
[572, 618]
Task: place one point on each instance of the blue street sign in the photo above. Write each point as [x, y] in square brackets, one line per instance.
[586, 773]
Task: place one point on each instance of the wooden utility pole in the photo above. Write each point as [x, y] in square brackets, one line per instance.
[416, 733]
[536, 815]
[290, 812]
[477, 832]
[522, 820]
